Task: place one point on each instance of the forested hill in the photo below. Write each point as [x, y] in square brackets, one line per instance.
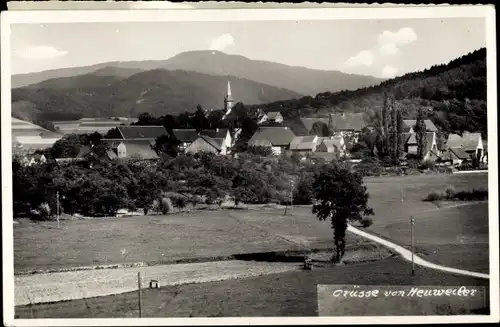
[158, 92]
[453, 93]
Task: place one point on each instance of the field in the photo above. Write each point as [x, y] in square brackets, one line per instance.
[285, 294]
[455, 236]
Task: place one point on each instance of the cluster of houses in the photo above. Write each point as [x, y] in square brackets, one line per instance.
[138, 141]
[326, 138]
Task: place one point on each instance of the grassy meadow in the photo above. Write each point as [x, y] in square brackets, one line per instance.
[454, 236]
[285, 294]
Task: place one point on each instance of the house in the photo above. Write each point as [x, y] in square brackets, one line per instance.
[431, 151]
[485, 150]
[278, 138]
[185, 137]
[205, 143]
[302, 144]
[335, 144]
[140, 149]
[409, 126]
[220, 133]
[346, 124]
[471, 143]
[136, 132]
[87, 151]
[275, 117]
[35, 159]
[309, 123]
[454, 156]
[318, 157]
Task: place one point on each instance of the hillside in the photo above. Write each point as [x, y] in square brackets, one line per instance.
[299, 79]
[453, 93]
[156, 91]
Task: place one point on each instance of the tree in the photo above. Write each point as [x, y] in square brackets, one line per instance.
[68, 146]
[303, 193]
[167, 144]
[343, 198]
[420, 134]
[199, 121]
[145, 119]
[320, 129]
[399, 129]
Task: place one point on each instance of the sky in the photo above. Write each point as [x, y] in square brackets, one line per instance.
[381, 48]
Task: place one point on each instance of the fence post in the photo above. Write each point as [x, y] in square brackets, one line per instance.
[140, 295]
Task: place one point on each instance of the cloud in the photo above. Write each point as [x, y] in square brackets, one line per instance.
[389, 71]
[389, 49]
[363, 58]
[404, 36]
[41, 52]
[221, 42]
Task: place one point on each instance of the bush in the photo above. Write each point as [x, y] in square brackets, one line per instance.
[450, 193]
[427, 165]
[366, 222]
[180, 202]
[435, 196]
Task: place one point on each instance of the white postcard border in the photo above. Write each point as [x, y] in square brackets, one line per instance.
[376, 12]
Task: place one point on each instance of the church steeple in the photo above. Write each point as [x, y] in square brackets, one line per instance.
[228, 100]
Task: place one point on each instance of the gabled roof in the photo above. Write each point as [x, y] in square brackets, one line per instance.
[470, 141]
[309, 122]
[459, 153]
[140, 148]
[409, 123]
[303, 143]
[347, 121]
[329, 144]
[213, 142]
[454, 141]
[141, 132]
[272, 115]
[220, 134]
[337, 142]
[187, 135]
[276, 136]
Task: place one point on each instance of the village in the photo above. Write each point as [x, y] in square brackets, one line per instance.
[330, 138]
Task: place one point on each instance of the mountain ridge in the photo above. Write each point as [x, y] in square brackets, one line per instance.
[300, 79]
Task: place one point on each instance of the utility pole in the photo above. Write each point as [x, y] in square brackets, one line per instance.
[291, 198]
[412, 221]
[57, 196]
[140, 295]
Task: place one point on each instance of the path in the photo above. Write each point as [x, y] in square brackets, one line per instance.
[53, 287]
[407, 255]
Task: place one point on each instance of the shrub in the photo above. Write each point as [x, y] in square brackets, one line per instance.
[450, 192]
[366, 222]
[180, 202]
[166, 205]
[435, 196]
[427, 165]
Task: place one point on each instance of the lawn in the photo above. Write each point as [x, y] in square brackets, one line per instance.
[456, 237]
[214, 234]
[285, 294]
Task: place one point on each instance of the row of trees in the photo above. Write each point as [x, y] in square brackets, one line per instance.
[253, 177]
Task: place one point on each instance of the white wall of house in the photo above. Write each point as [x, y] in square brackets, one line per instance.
[276, 150]
[121, 150]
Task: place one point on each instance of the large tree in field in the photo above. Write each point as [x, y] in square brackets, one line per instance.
[420, 133]
[341, 197]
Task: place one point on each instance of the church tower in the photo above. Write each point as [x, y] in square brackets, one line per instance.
[228, 100]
